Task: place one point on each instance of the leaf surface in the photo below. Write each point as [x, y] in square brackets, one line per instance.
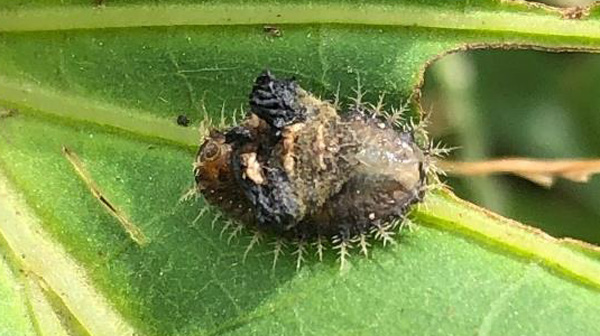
[108, 83]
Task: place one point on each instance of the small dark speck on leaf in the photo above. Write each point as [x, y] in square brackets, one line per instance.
[272, 31]
[183, 120]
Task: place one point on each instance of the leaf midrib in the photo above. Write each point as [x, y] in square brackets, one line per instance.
[58, 104]
[37, 253]
[548, 22]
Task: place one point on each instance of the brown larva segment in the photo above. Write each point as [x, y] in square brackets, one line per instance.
[301, 171]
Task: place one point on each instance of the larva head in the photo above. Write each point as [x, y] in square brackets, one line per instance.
[212, 165]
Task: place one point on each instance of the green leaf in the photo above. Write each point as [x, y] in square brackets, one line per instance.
[108, 82]
[13, 309]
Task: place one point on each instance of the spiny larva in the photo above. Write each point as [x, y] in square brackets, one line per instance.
[297, 169]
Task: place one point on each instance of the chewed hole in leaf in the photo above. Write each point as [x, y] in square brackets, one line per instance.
[527, 104]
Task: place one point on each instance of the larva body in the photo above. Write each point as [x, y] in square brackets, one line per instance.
[300, 170]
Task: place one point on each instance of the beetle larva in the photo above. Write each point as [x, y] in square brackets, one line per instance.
[298, 169]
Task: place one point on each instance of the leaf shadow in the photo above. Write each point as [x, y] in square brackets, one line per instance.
[192, 276]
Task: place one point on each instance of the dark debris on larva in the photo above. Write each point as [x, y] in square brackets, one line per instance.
[298, 170]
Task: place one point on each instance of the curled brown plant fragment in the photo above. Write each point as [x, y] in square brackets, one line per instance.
[542, 172]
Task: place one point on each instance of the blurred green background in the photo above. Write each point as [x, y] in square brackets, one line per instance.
[498, 103]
